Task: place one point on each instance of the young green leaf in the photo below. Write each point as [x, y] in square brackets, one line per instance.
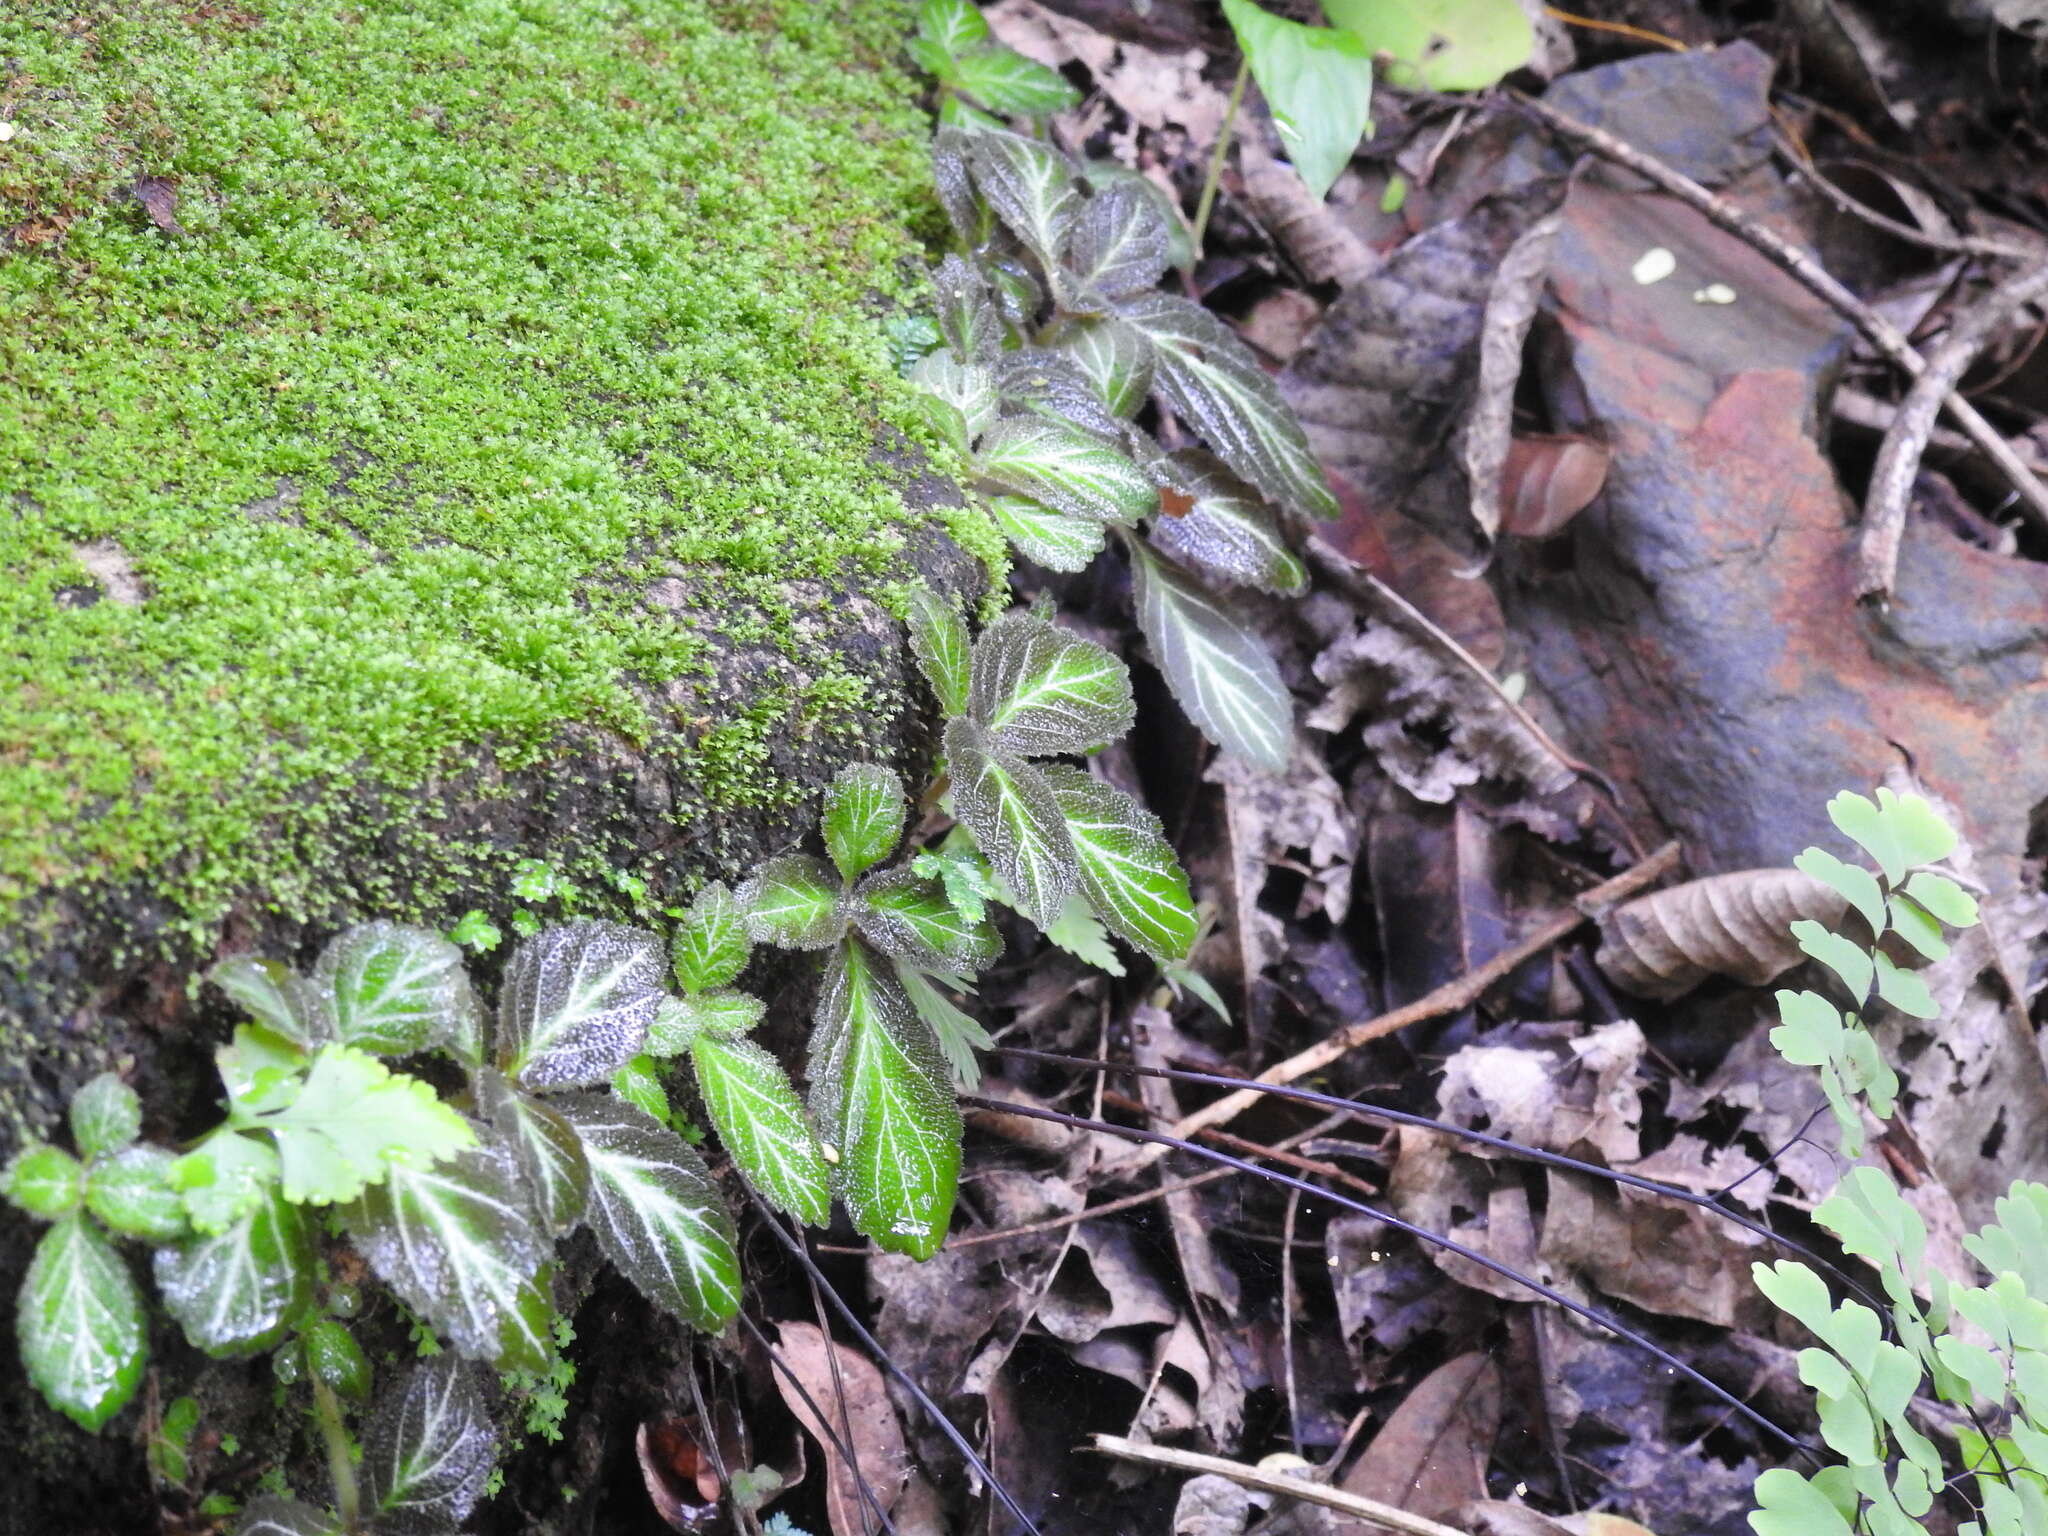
[260, 1069]
[105, 1116]
[681, 1020]
[954, 25]
[967, 317]
[1900, 832]
[656, 1212]
[274, 995]
[458, 1245]
[1080, 933]
[1058, 541]
[1903, 990]
[1911, 922]
[1856, 885]
[44, 1181]
[576, 1004]
[1318, 83]
[907, 916]
[1216, 666]
[1128, 870]
[1217, 387]
[1031, 188]
[239, 1291]
[335, 1359]
[428, 1450]
[970, 388]
[1039, 690]
[637, 1083]
[1003, 80]
[1066, 469]
[390, 988]
[938, 638]
[1004, 802]
[1118, 246]
[1115, 358]
[1229, 534]
[793, 901]
[355, 1118]
[131, 1192]
[881, 1099]
[1848, 960]
[959, 1035]
[761, 1122]
[549, 1153]
[1444, 45]
[79, 1323]
[959, 866]
[711, 944]
[863, 817]
[1943, 898]
[285, 1517]
[221, 1179]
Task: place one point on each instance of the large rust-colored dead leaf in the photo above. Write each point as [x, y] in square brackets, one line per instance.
[1430, 1456]
[1676, 1260]
[1735, 925]
[880, 1456]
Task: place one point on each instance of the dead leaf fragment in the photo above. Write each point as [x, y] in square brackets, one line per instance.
[880, 1457]
[1737, 925]
[1488, 428]
[1548, 480]
[159, 198]
[1431, 1454]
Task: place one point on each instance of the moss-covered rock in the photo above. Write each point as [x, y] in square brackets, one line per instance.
[434, 434]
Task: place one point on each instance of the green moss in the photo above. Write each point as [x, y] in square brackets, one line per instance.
[483, 313]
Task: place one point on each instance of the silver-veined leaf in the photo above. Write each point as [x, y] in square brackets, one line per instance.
[793, 901]
[1115, 357]
[1003, 801]
[1118, 246]
[719, 1012]
[428, 1449]
[1017, 290]
[285, 1517]
[274, 995]
[457, 1242]
[1229, 534]
[1180, 242]
[656, 1212]
[967, 316]
[863, 816]
[1031, 188]
[711, 944]
[1039, 381]
[1216, 666]
[969, 215]
[105, 1116]
[1128, 870]
[353, 1119]
[638, 1082]
[1317, 82]
[390, 988]
[954, 25]
[1066, 469]
[548, 1151]
[1059, 541]
[576, 1003]
[880, 1095]
[761, 1123]
[1040, 690]
[79, 1323]
[1217, 387]
[907, 917]
[1003, 80]
[970, 388]
[240, 1291]
[44, 1181]
[959, 1035]
[938, 638]
[131, 1192]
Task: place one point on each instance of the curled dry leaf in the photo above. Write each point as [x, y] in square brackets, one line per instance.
[1735, 925]
[1488, 429]
[1549, 480]
[1431, 1455]
[880, 1457]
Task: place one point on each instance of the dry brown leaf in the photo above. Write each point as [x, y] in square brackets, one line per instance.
[1489, 426]
[1435, 1187]
[1736, 925]
[1327, 249]
[1548, 480]
[1431, 1454]
[1500, 1517]
[1439, 878]
[1672, 1259]
[1579, 1095]
[877, 1435]
[1211, 1506]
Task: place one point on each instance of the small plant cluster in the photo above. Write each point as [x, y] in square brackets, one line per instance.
[1982, 1349]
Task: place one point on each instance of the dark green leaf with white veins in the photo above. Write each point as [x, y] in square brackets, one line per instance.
[970, 388]
[966, 314]
[131, 1192]
[1031, 188]
[863, 817]
[1066, 469]
[1003, 80]
[1059, 541]
[793, 901]
[1230, 534]
[719, 1012]
[1116, 358]
[954, 25]
[938, 638]
[1128, 870]
[274, 995]
[1215, 664]
[881, 1096]
[457, 1243]
[761, 1122]
[428, 1450]
[1039, 381]
[548, 1151]
[712, 944]
[241, 1290]
[1039, 690]
[79, 1323]
[1118, 246]
[576, 1003]
[907, 916]
[1005, 803]
[391, 988]
[656, 1212]
[969, 215]
[105, 1116]
[285, 1517]
[1217, 387]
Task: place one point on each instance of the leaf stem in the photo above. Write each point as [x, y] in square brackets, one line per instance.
[1215, 176]
[341, 1466]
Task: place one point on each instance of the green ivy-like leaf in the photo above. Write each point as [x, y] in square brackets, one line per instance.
[80, 1325]
[954, 25]
[1217, 387]
[390, 988]
[1056, 540]
[1128, 870]
[1003, 80]
[1318, 83]
[1030, 186]
[261, 1070]
[1066, 469]
[1118, 245]
[576, 1004]
[274, 995]
[863, 817]
[221, 1179]
[882, 1102]
[681, 1020]
[967, 316]
[1216, 666]
[285, 1517]
[353, 1119]
[959, 1035]
[1115, 358]
[711, 943]
[44, 1181]
[1229, 534]
[907, 916]
[105, 1116]
[793, 901]
[428, 1450]
[131, 1192]
[656, 1212]
[1900, 832]
[1039, 690]
[549, 1153]
[760, 1121]
[1005, 803]
[239, 1291]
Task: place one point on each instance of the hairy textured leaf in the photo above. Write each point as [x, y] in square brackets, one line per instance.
[969, 215]
[1066, 469]
[1229, 534]
[428, 1449]
[1318, 83]
[959, 1035]
[1040, 690]
[1103, 172]
[353, 1119]
[1003, 80]
[711, 943]
[285, 1517]
[1128, 870]
[1218, 388]
[79, 1324]
[959, 866]
[882, 1101]
[1004, 802]
[44, 1181]
[938, 638]
[908, 917]
[1115, 358]
[970, 388]
[1118, 246]
[760, 1121]
[390, 988]
[793, 901]
[131, 1192]
[576, 1003]
[1216, 666]
[547, 1150]
[274, 995]
[1039, 381]
[966, 315]
[105, 1116]
[240, 1291]
[222, 1178]
[681, 1020]
[334, 1358]
[863, 816]
[954, 25]
[638, 1083]
[1735, 925]
[656, 1212]
[1030, 186]
[457, 1243]
[1058, 541]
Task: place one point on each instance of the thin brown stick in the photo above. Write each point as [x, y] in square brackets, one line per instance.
[1955, 245]
[1245, 1147]
[1287, 1305]
[1880, 332]
[1898, 461]
[1385, 1516]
